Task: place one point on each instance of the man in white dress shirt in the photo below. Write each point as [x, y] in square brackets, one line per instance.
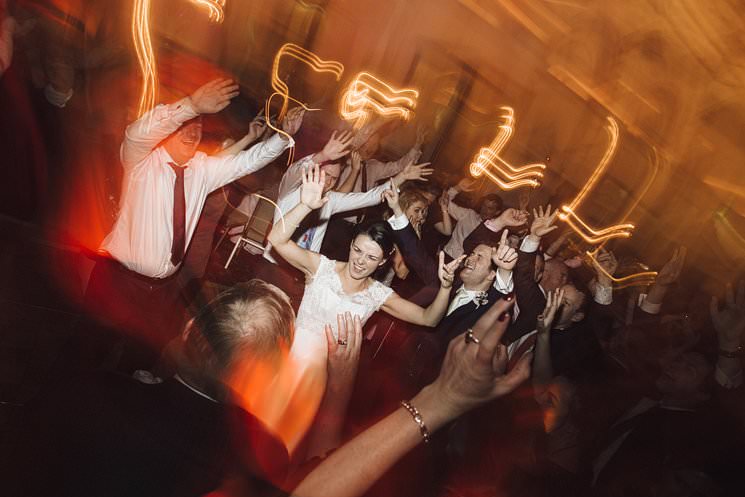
[166, 181]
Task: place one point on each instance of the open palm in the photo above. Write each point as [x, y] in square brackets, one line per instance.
[311, 192]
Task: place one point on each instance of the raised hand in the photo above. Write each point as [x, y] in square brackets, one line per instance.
[311, 191]
[337, 146]
[293, 120]
[512, 217]
[256, 128]
[504, 256]
[343, 351]
[355, 160]
[543, 221]
[214, 96]
[392, 198]
[473, 372]
[444, 201]
[671, 270]
[605, 266]
[446, 272]
[414, 172]
[546, 318]
[730, 321]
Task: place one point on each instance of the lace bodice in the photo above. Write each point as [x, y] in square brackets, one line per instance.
[324, 298]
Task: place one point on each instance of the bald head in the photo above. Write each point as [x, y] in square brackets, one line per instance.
[251, 321]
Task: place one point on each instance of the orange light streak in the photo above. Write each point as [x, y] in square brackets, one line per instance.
[215, 8]
[145, 55]
[505, 175]
[569, 212]
[282, 90]
[367, 95]
[306, 56]
[637, 279]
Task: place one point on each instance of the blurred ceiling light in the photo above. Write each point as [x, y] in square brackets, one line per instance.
[283, 91]
[366, 95]
[216, 8]
[489, 162]
[569, 215]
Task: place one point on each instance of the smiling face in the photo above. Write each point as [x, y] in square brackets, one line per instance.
[416, 213]
[183, 144]
[477, 272]
[365, 256]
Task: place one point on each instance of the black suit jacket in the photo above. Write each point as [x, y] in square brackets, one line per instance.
[111, 435]
[528, 297]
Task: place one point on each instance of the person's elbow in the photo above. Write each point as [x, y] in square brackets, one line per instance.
[274, 236]
[430, 321]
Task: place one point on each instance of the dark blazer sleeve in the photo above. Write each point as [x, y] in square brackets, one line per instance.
[416, 256]
[528, 296]
[480, 235]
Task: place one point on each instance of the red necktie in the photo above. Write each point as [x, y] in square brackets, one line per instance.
[179, 215]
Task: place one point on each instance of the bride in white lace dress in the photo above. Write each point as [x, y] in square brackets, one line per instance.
[336, 287]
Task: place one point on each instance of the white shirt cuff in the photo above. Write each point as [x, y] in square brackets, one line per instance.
[529, 244]
[398, 222]
[183, 110]
[648, 307]
[491, 225]
[503, 286]
[603, 294]
[279, 143]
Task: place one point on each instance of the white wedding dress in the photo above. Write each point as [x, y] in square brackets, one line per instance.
[300, 385]
[323, 299]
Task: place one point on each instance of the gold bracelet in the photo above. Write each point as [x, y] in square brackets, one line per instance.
[417, 419]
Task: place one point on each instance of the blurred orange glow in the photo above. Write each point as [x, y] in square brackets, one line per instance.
[515, 177]
[214, 7]
[569, 215]
[367, 95]
[145, 55]
[285, 399]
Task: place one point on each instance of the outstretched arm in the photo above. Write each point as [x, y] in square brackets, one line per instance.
[445, 227]
[355, 166]
[472, 373]
[220, 171]
[143, 135]
[542, 367]
[431, 315]
[281, 235]
[416, 257]
[255, 129]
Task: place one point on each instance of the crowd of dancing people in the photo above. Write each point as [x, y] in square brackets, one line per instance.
[402, 333]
